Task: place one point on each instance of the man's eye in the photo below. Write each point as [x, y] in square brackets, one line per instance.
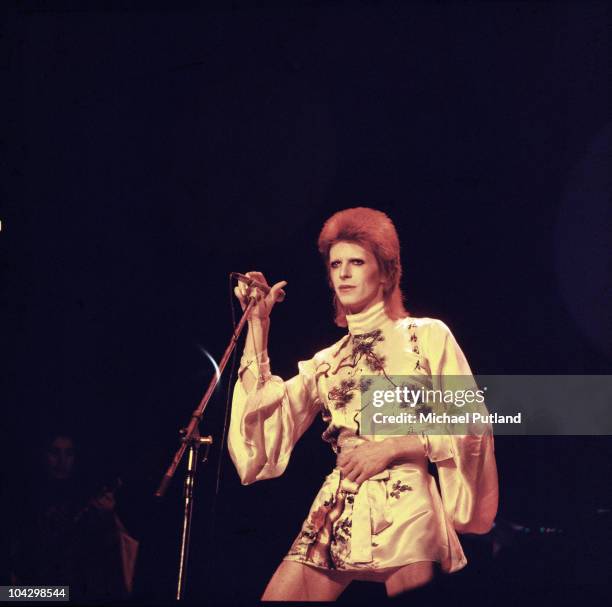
[358, 262]
[334, 264]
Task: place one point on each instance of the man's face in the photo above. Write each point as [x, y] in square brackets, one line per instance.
[355, 276]
[59, 458]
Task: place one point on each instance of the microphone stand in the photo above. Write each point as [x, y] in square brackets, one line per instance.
[191, 440]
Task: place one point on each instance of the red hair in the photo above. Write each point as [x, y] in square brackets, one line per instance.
[373, 230]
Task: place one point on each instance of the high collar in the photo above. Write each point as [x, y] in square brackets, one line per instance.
[367, 321]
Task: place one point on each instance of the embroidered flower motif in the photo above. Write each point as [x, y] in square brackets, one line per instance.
[376, 363]
[345, 526]
[423, 409]
[309, 534]
[338, 553]
[408, 402]
[363, 346]
[330, 434]
[364, 384]
[399, 488]
[370, 338]
[341, 395]
[342, 535]
[315, 522]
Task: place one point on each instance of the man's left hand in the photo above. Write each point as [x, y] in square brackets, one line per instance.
[364, 461]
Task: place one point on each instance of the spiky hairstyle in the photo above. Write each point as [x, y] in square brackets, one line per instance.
[373, 230]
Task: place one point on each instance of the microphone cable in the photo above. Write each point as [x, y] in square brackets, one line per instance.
[226, 417]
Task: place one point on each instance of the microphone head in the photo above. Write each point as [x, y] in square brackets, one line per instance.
[242, 278]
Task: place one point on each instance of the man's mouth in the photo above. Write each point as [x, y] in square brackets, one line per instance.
[345, 287]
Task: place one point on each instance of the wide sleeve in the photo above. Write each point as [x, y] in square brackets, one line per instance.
[467, 471]
[267, 421]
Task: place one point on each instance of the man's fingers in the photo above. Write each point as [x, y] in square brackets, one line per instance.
[348, 459]
[344, 459]
[240, 296]
[354, 474]
[258, 276]
[361, 478]
[349, 468]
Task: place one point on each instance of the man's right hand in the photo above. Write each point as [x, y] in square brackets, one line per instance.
[262, 309]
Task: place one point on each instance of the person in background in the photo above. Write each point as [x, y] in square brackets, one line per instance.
[67, 532]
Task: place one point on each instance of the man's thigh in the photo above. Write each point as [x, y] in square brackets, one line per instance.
[408, 577]
[294, 581]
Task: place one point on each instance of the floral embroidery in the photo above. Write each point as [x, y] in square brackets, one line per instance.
[341, 542]
[331, 433]
[343, 530]
[415, 347]
[362, 350]
[408, 403]
[363, 346]
[423, 409]
[315, 522]
[309, 534]
[364, 384]
[376, 363]
[399, 488]
[341, 395]
[366, 341]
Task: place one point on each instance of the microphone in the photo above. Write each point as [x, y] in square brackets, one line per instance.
[251, 282]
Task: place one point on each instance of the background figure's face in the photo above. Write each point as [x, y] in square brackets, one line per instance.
[59, 458]
[355, 276]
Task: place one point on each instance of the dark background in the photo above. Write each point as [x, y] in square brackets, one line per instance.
[154, 148]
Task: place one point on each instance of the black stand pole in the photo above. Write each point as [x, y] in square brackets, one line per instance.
[192, 440]
[190, 475]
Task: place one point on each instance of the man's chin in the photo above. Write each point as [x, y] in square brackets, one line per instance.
[348, 305]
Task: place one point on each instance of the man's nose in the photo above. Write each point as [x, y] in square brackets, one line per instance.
[345, 270]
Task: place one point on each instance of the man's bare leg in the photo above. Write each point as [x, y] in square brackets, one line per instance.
[409, 577]
[294, 581]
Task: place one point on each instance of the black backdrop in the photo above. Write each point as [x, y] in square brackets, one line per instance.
[155, 148]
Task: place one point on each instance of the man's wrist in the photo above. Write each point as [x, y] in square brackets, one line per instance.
[259, 321]
[392, 449]
[403, 447]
